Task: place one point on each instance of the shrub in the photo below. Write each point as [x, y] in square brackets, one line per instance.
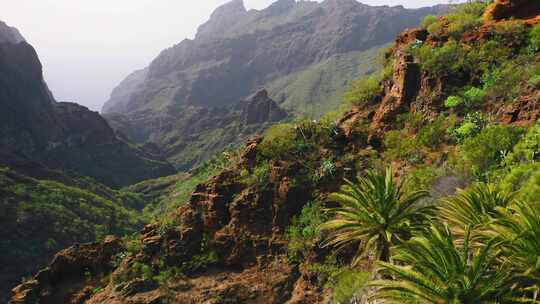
[473, 8]
[412, 121]
[325, 170]
[490, 53]
[433, 134]
[524, 178]
[534, 39]
[400, 145]
[348, 285]
[528, 148]
[461, 23]
[449, 59]
[304, 230]
[471, 125]
[260, 175]
[429, 20]
[364, 90]
[487, 149]
[511, 32]
[453, 102]
[504, 81]
[534, 81]
[474, 96]
[280, 142]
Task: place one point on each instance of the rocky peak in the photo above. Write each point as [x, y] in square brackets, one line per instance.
[259, 108]
[222, 18]
[281, 6]
[9, 34]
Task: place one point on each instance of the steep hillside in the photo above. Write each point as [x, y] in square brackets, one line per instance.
[40, 217]
[36, 128]
[290, 48]
[454, 120]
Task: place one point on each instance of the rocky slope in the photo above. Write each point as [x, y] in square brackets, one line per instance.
[291, 48]
[36, 128]
[246, 236]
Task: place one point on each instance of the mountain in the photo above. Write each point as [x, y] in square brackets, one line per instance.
[445, 147]
[36, 129]
[304, 53]
[53, 156]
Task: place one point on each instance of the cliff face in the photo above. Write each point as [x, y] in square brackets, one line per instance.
[238, 51]
[34, 127]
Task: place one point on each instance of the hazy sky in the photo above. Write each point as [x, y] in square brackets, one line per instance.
[88, 46]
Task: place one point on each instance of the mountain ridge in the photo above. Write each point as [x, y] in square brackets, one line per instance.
[66, 136]
[237, 51]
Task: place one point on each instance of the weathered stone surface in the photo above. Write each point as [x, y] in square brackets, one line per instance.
[528, 10]
[68, 274]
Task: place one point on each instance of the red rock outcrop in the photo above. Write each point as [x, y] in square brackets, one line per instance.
[71, 275]
[528, 10]
[404, 87]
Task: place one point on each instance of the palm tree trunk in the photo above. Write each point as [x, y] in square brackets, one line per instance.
[385, 252]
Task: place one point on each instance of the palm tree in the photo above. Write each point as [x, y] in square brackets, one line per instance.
[375, 213]
[473, 208]
[519, 231]
[436, 270]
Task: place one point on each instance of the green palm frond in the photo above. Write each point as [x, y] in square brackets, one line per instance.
[518, 229]
[434, 268]
[374, 210]
[474, 207]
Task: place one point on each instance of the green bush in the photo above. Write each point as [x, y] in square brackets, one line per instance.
[399, 145]
[489, 54]
[511, 32]
[453, 102]
[528, 148]
[486, 150]
[474, 96]
[348, 285]
[534, 81]
[432, 134]
[436, 29]
[464, 17]
[260, 175]
[303, 232]
[364, 90]
[461, 23]
[327, 169]
[505, 80]
[534, 39]
[279, 142]
[471, 125]
[450, 59]
[429, 20]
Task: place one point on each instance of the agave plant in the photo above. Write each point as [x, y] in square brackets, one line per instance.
[519, 230]
[374, 213]
[473, 208]
[436, 269]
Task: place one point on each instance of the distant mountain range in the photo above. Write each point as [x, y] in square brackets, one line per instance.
[39, 134]
[303, 53]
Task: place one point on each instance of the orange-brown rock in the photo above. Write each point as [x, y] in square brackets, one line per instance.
[524, 111]
[69, 277]
[398, 94]
[528, 10]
